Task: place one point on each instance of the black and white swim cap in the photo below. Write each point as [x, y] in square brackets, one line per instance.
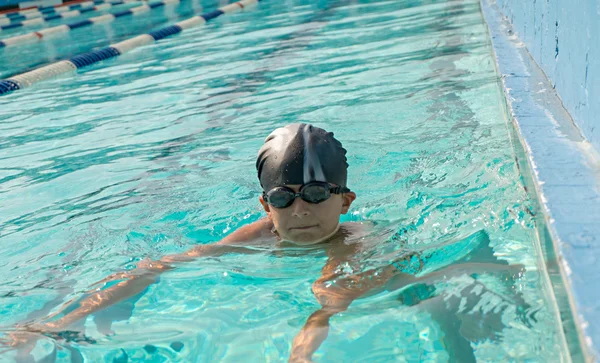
[299, 154]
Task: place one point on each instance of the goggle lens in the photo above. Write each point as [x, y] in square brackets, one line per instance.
[315, 193]
[283, 197]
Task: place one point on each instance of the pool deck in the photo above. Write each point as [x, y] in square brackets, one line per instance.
[565, 173]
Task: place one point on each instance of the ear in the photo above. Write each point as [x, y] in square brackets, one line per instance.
[265, 205]
[348, 198]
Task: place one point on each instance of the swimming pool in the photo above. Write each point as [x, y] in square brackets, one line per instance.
[153, 152]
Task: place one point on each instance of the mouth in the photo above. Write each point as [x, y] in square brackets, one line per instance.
[303, 228]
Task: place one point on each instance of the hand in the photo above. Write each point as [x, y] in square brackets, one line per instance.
[25, 336]
[16, 339]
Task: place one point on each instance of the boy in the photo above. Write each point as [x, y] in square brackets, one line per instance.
[302, 170]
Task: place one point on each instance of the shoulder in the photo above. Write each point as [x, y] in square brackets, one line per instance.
[261, 228]
[353, 230]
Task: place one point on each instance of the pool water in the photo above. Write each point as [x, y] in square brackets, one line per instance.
[153, 153]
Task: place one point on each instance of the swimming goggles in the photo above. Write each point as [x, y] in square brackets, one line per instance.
[313, 192]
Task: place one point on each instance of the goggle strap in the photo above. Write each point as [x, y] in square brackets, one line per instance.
[339, 190]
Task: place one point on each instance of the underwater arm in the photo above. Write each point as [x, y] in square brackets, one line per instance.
[124, 285]
[335, 295]
[230, 244]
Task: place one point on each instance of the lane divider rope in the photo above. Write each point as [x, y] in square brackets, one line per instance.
[83, 60]
[67, 14]
[49, 10]
[45, 34]
[36, 12]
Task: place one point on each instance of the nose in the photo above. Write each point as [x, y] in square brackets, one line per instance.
[300, 208]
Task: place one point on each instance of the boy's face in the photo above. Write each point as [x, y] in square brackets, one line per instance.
[308, 223]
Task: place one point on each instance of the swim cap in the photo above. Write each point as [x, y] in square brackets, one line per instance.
[299, 154]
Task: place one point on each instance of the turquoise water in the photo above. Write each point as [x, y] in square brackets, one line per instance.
[153, 153]
[21, 58]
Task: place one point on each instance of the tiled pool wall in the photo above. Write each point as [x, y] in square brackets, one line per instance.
[562, 36]
[547, 54]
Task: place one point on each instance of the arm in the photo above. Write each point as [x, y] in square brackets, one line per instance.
[335, 295]
[134, 282]
[229, 244]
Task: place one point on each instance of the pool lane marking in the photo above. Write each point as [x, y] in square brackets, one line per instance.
[27, 79]
[35, 36]
[65, 15]
[43, 12]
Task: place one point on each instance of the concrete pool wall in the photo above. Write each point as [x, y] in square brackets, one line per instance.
[548, 57]
[563, 37]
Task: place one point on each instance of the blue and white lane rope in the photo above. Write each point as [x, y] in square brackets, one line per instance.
[65, 11]
[52, 70]
[47, 33]
[31, 14]
[68, 14]
[39, 12]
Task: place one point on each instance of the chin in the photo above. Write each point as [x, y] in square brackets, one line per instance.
[305, 238]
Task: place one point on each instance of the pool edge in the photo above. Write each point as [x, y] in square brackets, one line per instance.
[563, 171]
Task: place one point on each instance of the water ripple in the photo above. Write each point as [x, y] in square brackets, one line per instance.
[153, 152]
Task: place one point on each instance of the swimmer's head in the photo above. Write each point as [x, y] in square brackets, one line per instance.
[298, 155]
